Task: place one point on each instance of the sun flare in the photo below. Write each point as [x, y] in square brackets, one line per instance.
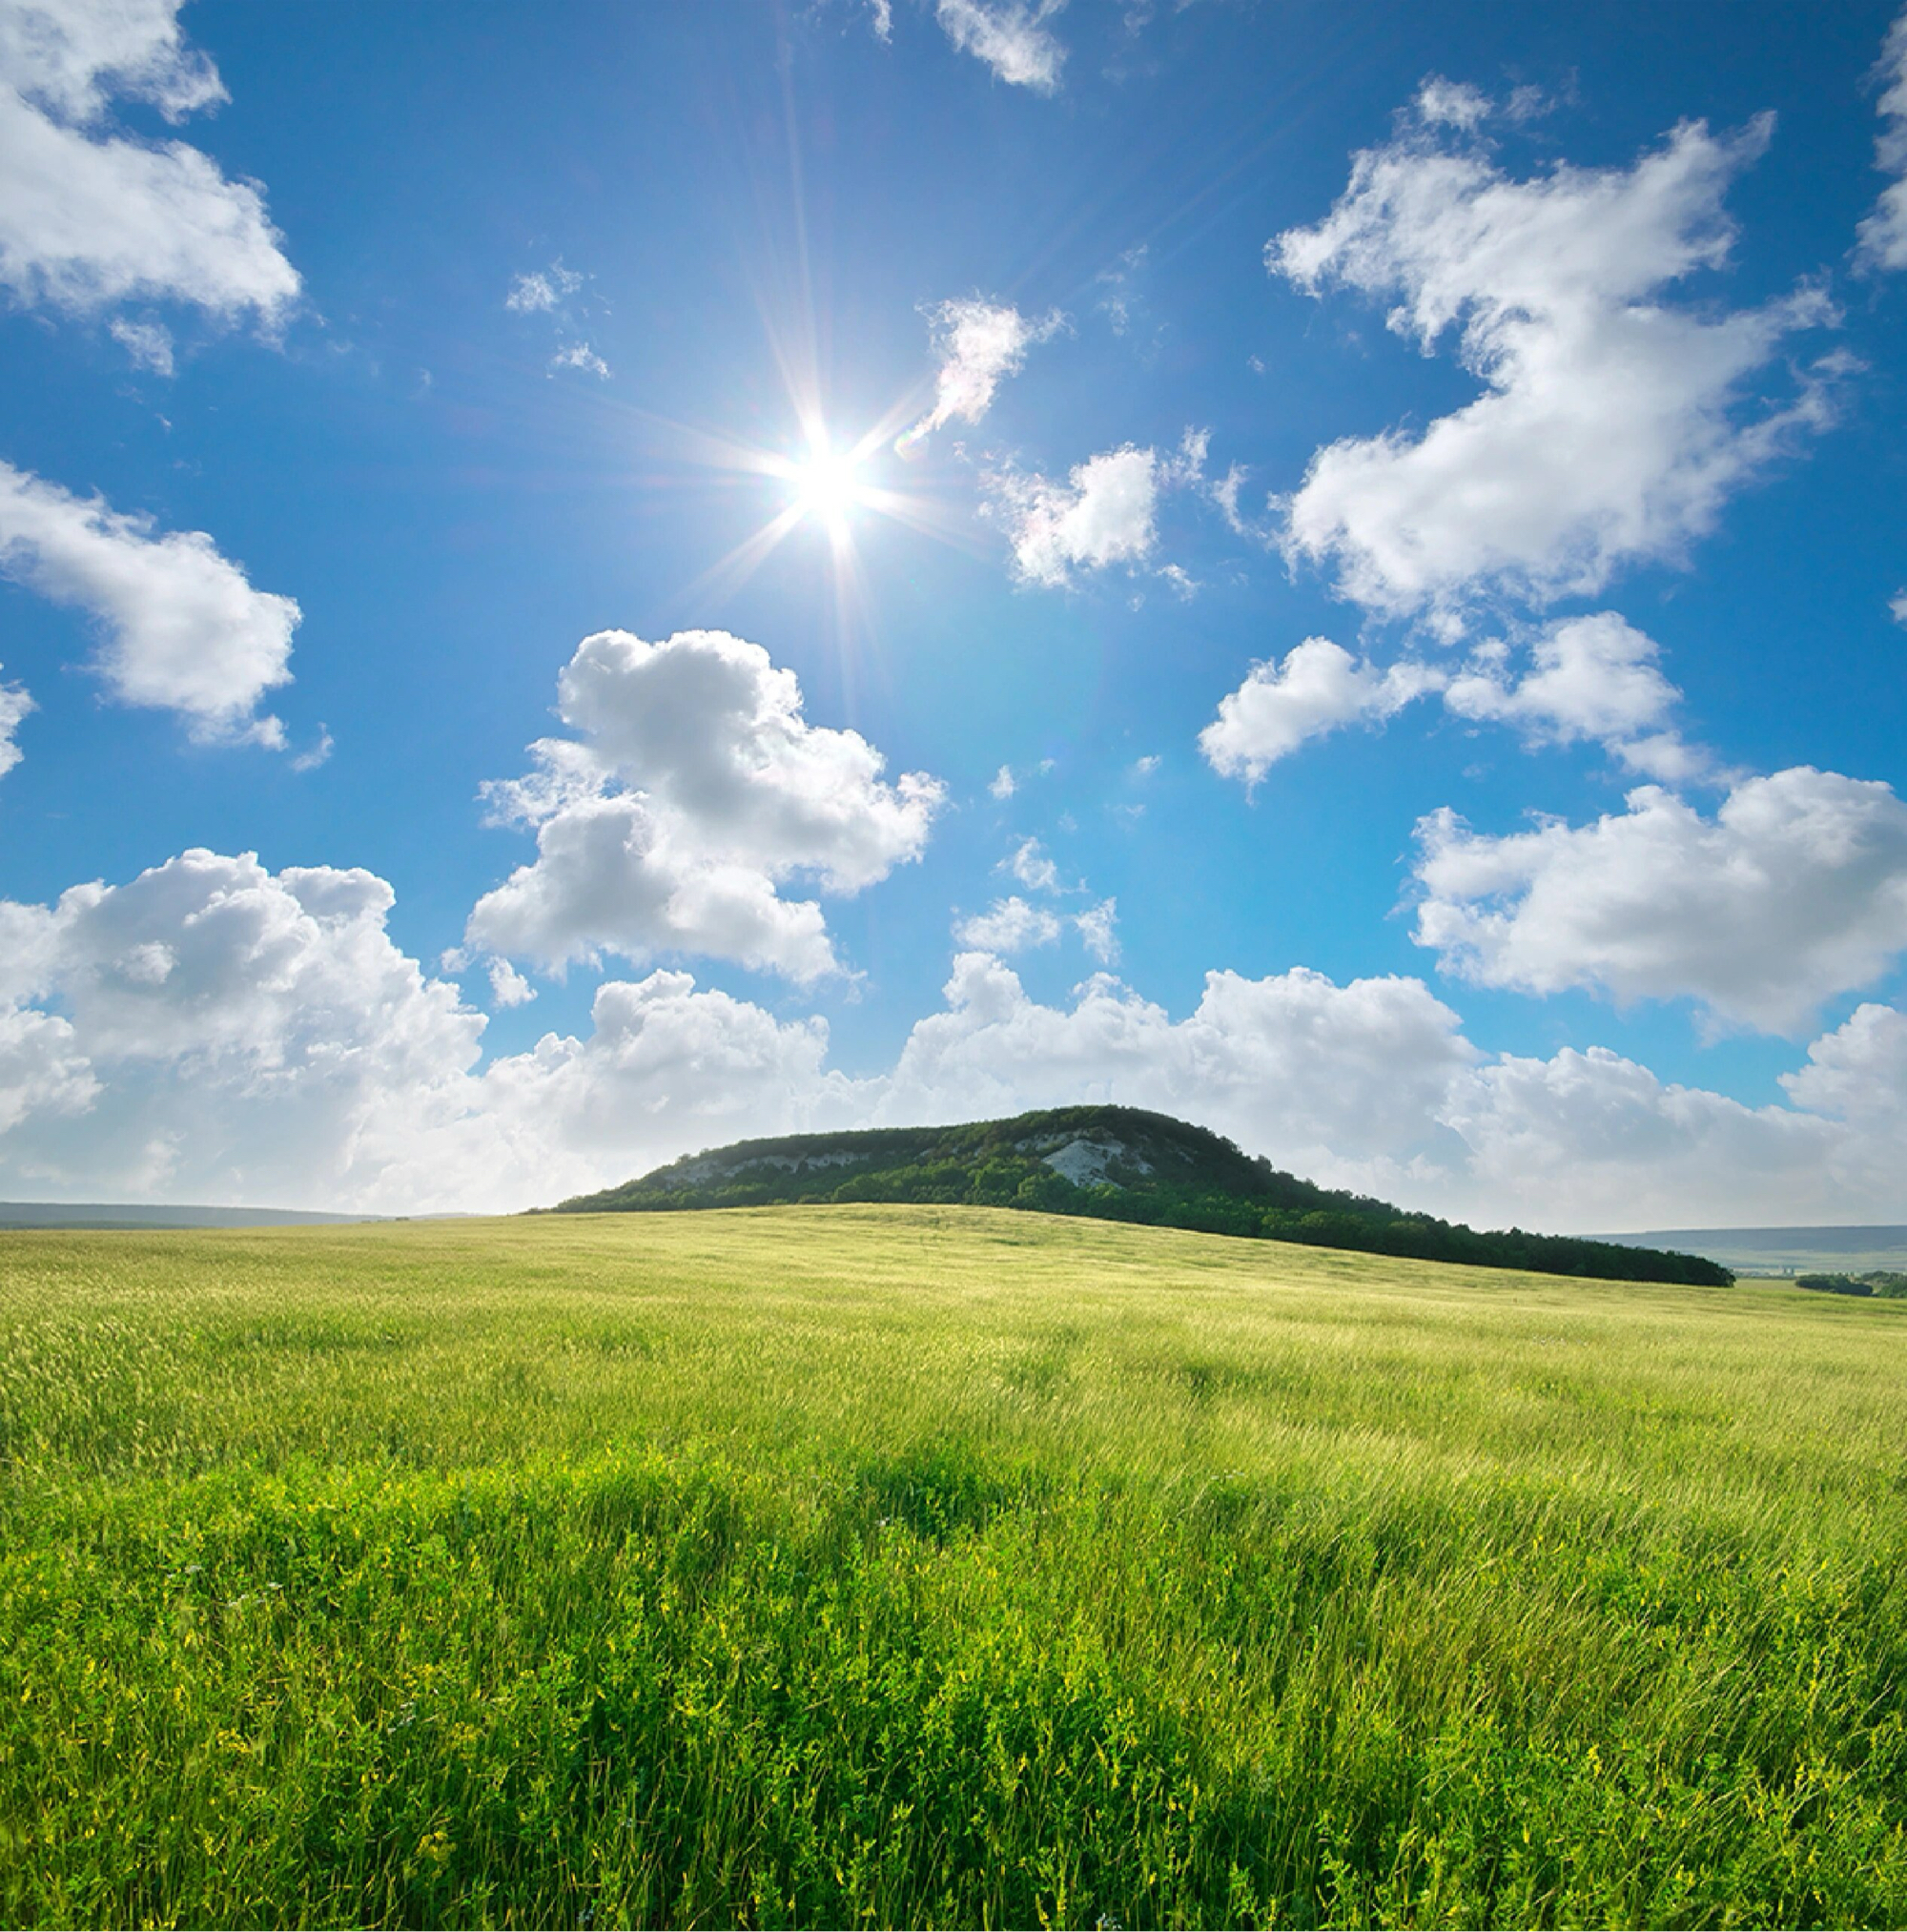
[826, 484]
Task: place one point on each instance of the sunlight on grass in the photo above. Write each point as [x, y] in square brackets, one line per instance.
[897, 1565]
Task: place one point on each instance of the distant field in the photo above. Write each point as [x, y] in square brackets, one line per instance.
[867, 1564]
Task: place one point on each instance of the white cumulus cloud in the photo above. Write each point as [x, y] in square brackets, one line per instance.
[1451, 103]
[1858, 1073]
[1103, 514]
[1317, 689]
[243, 1036]
[1795, 892]
[664, 1069]
[90, 218]
[1589, 1140]
[1009, 925]
[1010, 35]
[1613, 424]
[553, 292]
[1883, 235]
[225, 1029]
[695, 790]
[213, 1031]
[1029, 863]
[1593, 677]
[182, 627]
[239, 1035]
[507, 986]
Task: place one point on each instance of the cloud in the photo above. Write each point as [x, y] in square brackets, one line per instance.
[183, 629]
[15, 705]
[227, 1029]
[579, 355]
[1003, 786]
[310, 759]
[72, 56]
[552, 292]
[1858, 1072]
[696, 789]
[979, 344]
[1119, 300]
[883, 13]
[1595, 678]
[664, 1069]
[1338, 1082]
[1102, 515]
[1882, 241]
[1319, 687]
[1611, 426]
[1008, 36]
[1009, 925]
[507, 986]
[91, 219]
[149, 344]
[1013, 925]
[1591, 1141]
[1096, 926]
[1898, 606]
[41, 1073]
[542, 290]
[1795, 891]
[1450, 103]
[1030, 865]
[225, 1033]
[238, 1035]
[1591, 678]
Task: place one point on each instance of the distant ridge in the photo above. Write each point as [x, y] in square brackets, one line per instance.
[1782, 1250]
[1116, 1164]
[19, 1214]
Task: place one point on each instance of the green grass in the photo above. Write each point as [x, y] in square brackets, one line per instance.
[900, 1565]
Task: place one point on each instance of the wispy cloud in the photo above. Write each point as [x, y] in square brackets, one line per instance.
[1010, 36]
[979, 344]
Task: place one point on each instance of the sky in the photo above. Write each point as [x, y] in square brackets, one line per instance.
[579, 584]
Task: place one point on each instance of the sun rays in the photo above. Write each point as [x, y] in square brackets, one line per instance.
[834, 486]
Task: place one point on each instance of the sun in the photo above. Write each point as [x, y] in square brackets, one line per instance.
[826, 483]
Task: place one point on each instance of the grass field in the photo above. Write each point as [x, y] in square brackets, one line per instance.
[904, 1564]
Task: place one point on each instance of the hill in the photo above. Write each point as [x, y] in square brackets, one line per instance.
[1113, 1164]
[104, 1215]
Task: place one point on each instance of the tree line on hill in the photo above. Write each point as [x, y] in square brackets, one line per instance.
[1159, 1172]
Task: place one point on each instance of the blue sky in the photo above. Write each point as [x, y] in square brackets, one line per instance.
[578, 585]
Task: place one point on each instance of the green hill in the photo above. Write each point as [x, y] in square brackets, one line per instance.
[1113, 1164]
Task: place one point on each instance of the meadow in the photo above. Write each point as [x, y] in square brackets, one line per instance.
[902, 1565]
